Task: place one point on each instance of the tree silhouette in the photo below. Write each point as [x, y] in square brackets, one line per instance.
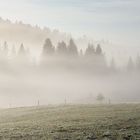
[130, 65]
[98, 50]
[72, 48]
[100, 97]
[90, 50]
[62, 48]
[81, 52]
[5, 48]
[48, 48]
[22, 51]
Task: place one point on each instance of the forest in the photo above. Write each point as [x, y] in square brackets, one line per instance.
[65, 56]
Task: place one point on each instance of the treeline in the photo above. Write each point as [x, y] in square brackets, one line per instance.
[93, 57]
[70, 49]
[64, 56]
[67, 56]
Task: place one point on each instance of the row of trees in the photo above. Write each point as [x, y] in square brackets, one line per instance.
[61, 49]
[70, 49]
[131, 64]
[6, 52]
[92, 54]
[67, 56]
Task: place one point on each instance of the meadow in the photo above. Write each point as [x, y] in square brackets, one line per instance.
[71, 122]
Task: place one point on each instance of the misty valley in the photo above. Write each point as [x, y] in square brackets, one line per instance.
[81, 82]
[62, 74]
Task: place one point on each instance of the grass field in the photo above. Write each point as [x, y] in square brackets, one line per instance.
[71, 122]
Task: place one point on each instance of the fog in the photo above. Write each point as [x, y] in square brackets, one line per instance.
[40, 66]
[24, 87]
[62, 74]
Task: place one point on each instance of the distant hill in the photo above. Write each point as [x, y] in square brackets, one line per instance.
[33, 37]
[19, 32]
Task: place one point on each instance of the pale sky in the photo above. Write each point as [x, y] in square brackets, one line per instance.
[115, 20]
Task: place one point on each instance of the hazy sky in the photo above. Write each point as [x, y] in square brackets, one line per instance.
[115, 20]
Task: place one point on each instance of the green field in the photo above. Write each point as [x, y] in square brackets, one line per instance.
[71, 122]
